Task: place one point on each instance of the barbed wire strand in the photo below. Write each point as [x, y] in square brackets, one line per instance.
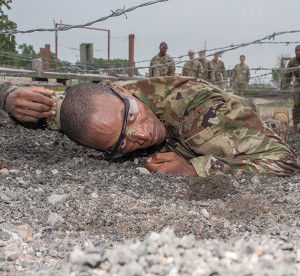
[115, 13]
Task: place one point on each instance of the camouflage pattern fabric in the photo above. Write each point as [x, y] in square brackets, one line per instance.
[192, 69]
[5, 89]
[53, 123]
[285, 85]
[168, 70]
[218, 133]
[208, 74]
[287, 78]
[219, 71]
[241, 74]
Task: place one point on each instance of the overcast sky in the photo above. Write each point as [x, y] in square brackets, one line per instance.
[183, 24]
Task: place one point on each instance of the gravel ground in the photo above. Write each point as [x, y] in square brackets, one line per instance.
[64, 210]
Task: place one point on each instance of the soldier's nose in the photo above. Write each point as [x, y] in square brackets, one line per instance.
[141, 135]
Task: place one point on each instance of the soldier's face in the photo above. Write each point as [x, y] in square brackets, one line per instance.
[191, 55]
[216, 57]
[297, 52]
[242, 59]
[201, 54]
[106, 124]
[163, 49]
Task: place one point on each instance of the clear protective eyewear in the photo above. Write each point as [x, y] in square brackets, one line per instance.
[131, 123]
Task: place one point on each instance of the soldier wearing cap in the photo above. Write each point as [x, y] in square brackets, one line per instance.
[220, 76]
[208, 73]
[292, 75]
[240, 77]
[192, 68]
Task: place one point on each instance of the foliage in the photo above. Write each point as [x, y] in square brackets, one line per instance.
[7, 42]
[27, 50]
[275, 75]
[114, 63]
[60, 63]
[28, 54]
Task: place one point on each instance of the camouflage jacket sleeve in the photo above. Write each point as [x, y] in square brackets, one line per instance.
[210, 72]
[200, 70]
[171, 71]
[248, 74]
[151, 70]
[224, 71]
[184, 69]
[287, 77]
[233, 76]
[5, 89]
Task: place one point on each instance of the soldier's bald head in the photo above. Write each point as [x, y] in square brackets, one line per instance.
[202, 53]
[78, 108]
[191, 54]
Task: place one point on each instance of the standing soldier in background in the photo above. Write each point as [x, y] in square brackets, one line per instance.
[293, 75]
[220, 77]
[192, 68]
[162, 58]
[240, 77]
[208, 74]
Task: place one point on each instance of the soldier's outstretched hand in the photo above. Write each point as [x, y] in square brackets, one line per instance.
[28, 104]
[170, 163]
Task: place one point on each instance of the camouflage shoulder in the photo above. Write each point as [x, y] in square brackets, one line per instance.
[170, 58]
[292, 63]
[53, 123]
[5, 89]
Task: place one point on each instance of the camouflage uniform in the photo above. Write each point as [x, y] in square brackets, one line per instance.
[240, 77]
[208, 74]
[216, 132]
[219, 73]
[285, 85]
[193, 69]
[168, 70]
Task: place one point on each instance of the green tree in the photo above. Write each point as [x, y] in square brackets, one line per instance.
[27, 53]
[63, 64]
[7, 42]
[27, 50]
[116, 65]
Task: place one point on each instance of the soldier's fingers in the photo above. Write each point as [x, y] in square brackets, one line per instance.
[39, 98]
[162, 157]
[35, 106]
[20, 116]
[156, 167]
[21, 112]
[41, 90]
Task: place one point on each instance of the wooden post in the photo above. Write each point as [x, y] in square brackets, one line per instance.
[42, 55]
[47, 56]
[131, 55]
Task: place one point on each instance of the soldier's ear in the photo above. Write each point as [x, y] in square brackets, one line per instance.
[121, 89]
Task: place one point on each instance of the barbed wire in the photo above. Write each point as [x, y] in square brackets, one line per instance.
[115, 13]
[96, 67]
[225, 49]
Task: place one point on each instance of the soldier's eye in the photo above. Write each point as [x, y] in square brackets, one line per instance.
[122, 145]
[131, 117]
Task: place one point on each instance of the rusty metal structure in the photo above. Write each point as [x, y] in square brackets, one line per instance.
[96, 29]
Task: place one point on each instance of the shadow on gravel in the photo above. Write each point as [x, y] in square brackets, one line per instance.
[211, 187]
